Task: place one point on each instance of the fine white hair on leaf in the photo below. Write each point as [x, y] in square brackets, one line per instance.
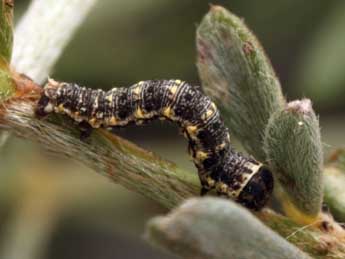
[43, 33]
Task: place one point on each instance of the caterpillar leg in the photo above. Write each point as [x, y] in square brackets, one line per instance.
[221, 194]
[85, 130]
[204, 191]
[207, 184]
[43, 107]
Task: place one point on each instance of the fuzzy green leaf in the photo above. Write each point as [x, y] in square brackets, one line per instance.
[217, 228]
[236, 73]
[293, 147]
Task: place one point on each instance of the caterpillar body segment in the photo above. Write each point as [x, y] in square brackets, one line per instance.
[219, 166]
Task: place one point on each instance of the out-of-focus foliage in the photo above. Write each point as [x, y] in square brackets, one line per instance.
[321, 68]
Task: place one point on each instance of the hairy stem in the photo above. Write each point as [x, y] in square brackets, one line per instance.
[334, 178]
[106, 153]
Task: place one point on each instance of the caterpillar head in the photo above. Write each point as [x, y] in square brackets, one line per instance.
[48, 99]
[258, 190]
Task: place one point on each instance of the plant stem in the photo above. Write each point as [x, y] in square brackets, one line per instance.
[118, 159]
[334, 178]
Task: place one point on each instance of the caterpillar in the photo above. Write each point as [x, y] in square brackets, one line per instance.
[220, 167]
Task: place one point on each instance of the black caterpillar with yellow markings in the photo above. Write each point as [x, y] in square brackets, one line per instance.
[219, 166]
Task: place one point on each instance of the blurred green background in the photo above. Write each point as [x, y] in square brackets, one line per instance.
[52, 208]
